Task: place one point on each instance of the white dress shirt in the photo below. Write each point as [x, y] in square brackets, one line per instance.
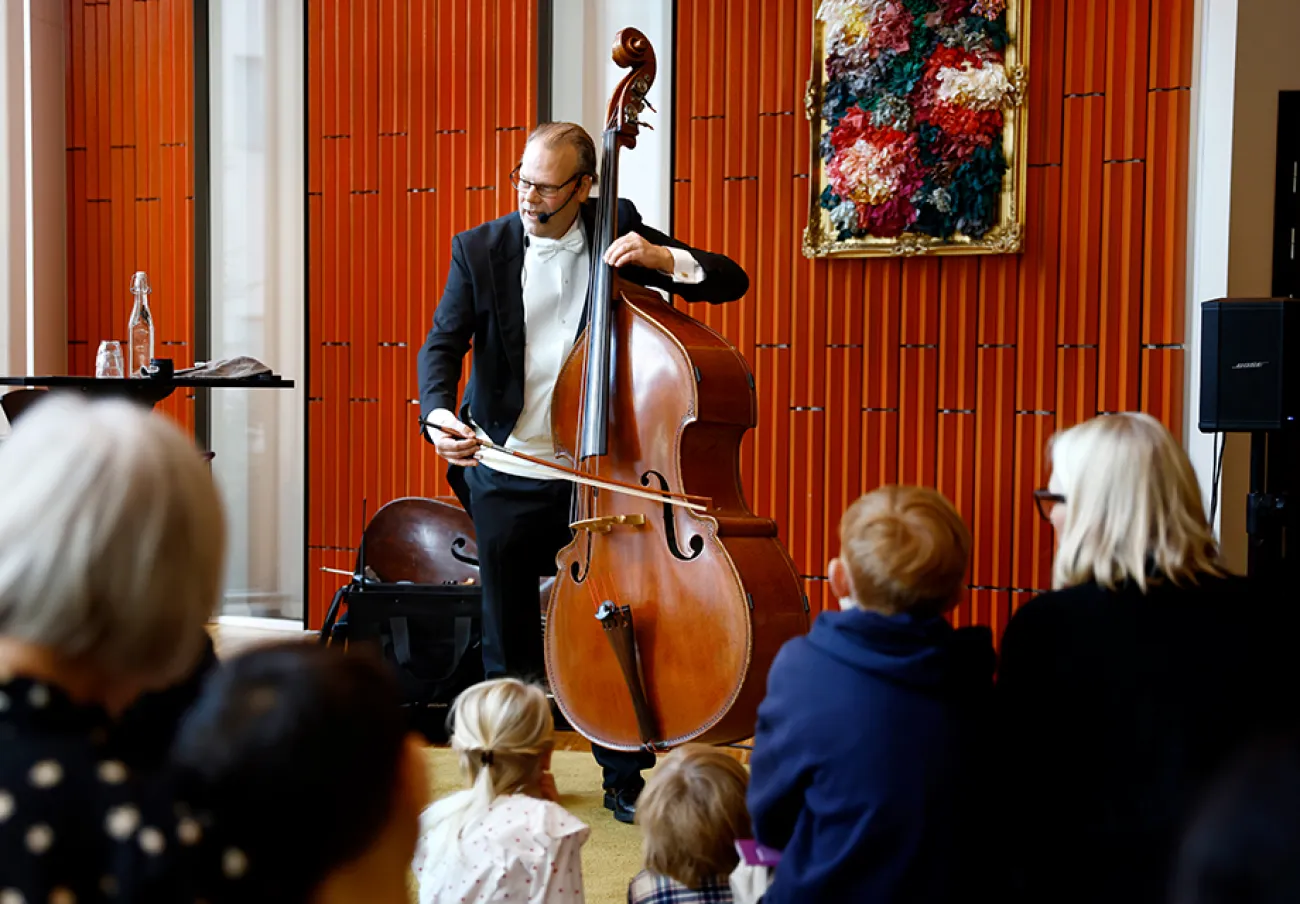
[555, 276]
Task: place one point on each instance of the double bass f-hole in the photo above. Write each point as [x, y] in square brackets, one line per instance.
[578, 570]
[459, 544]
[670, 523]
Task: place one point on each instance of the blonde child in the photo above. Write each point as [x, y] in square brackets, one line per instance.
[505, 838]
[691, 813]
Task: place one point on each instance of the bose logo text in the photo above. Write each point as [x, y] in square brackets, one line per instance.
[1249, 365]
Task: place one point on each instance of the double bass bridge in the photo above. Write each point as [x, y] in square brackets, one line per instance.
[606, 523]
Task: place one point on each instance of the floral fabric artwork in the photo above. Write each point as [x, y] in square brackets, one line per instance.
[916, 107]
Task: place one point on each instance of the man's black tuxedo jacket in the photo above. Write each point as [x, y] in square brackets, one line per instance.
[483, 301]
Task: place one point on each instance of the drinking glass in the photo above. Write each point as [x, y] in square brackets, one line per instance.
[108, 361]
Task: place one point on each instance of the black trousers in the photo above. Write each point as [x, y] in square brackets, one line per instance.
[520, 524]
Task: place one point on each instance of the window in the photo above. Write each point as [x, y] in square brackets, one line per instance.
[258, 294]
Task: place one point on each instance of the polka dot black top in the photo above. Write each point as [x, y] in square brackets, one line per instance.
[76, 823]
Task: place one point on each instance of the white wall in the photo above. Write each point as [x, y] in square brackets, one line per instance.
[1209, 200]
[1246, 56]
[584, 76]
[33, 161]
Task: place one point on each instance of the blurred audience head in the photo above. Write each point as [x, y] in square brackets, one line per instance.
[1243, 847]
[112, 543]
[299, 779]
[691, 813]
[1132, 507]
[902, 549]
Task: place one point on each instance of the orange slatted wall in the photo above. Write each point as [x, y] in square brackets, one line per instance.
[417, 111]
[951, 373]
[130, 157]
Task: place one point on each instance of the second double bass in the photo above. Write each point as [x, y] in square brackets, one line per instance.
[665, 613]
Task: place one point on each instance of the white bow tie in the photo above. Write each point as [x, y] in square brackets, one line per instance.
[546, 249]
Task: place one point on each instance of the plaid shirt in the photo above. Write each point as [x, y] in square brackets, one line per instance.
[652, 888]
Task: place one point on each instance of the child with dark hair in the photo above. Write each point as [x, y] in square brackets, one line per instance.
[300, 780]
[1244, 845]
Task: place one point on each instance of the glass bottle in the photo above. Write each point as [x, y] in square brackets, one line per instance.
[139, 330]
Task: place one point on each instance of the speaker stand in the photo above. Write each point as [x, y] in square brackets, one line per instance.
[1269, 519]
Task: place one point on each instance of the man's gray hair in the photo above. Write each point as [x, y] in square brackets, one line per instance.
[112, 538]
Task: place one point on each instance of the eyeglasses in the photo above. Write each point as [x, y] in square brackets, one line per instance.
[524, 186]
[1045, 499]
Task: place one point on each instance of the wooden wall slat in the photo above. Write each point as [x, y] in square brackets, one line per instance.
[995, 455]
[807, 430]
[1047, 39]
[772, 447]
[959, 307]
[1121, 281]
[840, 468]
[1085, 48]
[882, 340]
[1081, 198]
[879, 448]
[1128, 25]
[1165, 271]
[919, 322]
[955, 461]
[917, 412]
[1031, 537]
[1172, 48]
[998, 316]
[1076, 385]
[1162, 385]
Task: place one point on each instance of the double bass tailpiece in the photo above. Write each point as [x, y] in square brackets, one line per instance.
[621, 634]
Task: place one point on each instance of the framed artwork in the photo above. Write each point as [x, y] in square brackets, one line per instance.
[917, 113]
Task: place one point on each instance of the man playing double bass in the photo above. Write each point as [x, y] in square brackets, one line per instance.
[517, 290]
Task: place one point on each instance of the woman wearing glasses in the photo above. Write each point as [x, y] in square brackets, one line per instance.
[517, 292]
[1125, 688]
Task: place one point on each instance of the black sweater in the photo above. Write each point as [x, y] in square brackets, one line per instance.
[1117, 708]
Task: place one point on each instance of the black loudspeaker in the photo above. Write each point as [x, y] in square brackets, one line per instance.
[1250, 365]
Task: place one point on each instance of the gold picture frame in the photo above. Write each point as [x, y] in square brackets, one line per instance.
[823, 237]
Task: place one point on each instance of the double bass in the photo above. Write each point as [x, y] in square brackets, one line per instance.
[666, 612]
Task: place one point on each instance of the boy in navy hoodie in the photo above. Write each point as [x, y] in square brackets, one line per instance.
[867, 767]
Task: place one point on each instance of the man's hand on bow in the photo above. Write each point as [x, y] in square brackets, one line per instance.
[633, 249]
[457, 447]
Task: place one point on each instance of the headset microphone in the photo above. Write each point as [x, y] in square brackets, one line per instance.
[543, 218]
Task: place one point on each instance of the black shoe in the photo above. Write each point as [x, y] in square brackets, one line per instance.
[623, 802]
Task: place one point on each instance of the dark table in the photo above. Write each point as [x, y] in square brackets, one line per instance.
[145, 390]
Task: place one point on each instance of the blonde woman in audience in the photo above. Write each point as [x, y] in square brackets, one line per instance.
[1128, 685]
[112, 541]
[867, 766]
[691, 814]
[505, 838]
